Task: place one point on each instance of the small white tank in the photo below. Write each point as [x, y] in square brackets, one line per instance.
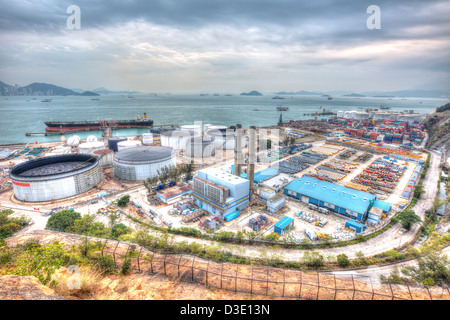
[91, 138]
[90, 147]
[73, 141]
[147, 139]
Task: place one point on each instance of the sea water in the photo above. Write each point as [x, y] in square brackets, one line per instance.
[22, 114]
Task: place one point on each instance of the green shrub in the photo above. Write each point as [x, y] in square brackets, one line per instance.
[126, 265]
[104, 263]
[342, 260]
[312, 260]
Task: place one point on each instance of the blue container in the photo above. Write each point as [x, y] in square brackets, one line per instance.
[355, 225]
[231, 216]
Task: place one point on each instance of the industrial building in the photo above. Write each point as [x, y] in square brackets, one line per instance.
[55, 177]
[276, 182]
[276, 202]
[345, 201]
[140, 163]
[219, 192]
[174, 194]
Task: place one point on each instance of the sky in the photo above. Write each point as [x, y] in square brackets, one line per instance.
[226, 46]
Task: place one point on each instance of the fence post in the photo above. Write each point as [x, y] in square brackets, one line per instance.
[335, 287]
[151, 262]
[207, 271]
[192, 267]
[318, 285]
[284, 282]
[104, 245]
[251, 282]
[221, 277]
[114, 254]
[267, 274]
[354, 289]
[300, 287]
[164, 264]
[179, 261]
[235, 280]
[139, 265]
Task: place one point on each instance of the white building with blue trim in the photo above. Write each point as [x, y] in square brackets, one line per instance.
[219, 192]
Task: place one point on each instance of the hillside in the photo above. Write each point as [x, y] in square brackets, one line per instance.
[438, 126]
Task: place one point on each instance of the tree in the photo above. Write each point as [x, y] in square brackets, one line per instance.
[432, 268]
[187, 169]
[408, 218]
[126, 265]
[163, 174]
[150, 182]
[62, 220]
[418, 191]
[122, 202]
[119, 229]
[82, 225]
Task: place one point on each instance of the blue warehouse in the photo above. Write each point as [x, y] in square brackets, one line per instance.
[342, 200]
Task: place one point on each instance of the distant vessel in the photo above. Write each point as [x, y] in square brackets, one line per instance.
[47, 100]
[382, 106]
[281, 108]
[256, 109]
[95, 99]
[216, 94]
[203, 94]
[277, 97]
[330, 98]
[71, 126]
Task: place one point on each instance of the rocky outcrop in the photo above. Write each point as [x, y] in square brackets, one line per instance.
[25, 288]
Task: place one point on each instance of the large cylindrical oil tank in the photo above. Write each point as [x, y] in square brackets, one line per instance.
[200, 147]
[147, 139]
[91, 138]
[105, 157]
[90, 147]
[122, 145]
[55, 177]
[194, 129]
[225, 139]
[176, 139]
[140, 163]
[112, 142]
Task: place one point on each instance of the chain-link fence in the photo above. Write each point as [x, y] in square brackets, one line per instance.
[267, 281]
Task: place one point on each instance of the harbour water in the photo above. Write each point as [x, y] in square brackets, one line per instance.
[22, 114]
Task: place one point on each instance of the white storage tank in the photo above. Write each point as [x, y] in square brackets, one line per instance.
[54, 178]
[340, 114]
[91, 138]
[194, 129]
[200, 147]
[105, 157]
[176, 139]
[147, 139]
[90, 147]
[140, 163]
[225, 139]
[122, 145]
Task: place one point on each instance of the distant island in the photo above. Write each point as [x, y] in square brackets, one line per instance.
[354, 95]
[40, 89]
[301, 92]
[89, 93]
[251, 93]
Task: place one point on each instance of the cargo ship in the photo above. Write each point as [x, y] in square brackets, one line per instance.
[72, 126]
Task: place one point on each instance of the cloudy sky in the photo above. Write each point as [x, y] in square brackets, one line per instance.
[226, 45]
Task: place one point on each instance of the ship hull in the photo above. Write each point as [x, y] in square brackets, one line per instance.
[94, 125]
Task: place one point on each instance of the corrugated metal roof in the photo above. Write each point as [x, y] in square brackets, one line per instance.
[351, 199]
[383, 205]
[283, 222]
[265, 173]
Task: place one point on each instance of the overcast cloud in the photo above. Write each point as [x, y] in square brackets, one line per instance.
[226, 46]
